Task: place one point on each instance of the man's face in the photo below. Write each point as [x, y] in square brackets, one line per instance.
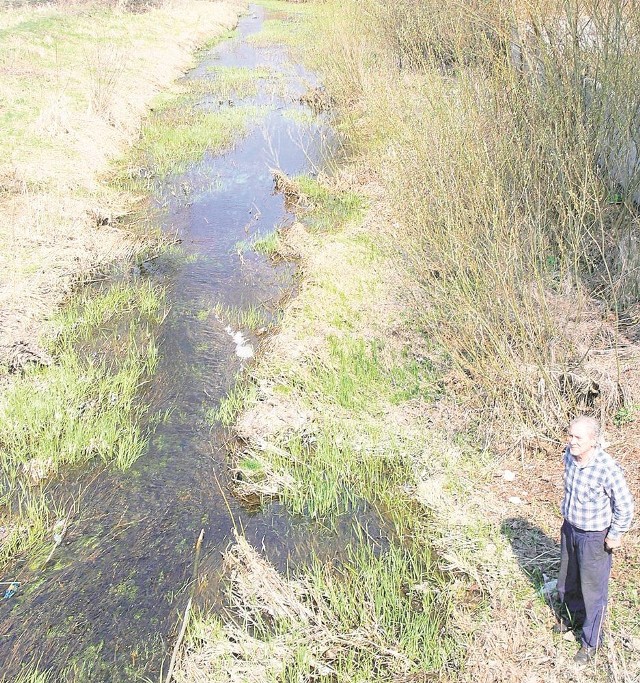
[581, 440]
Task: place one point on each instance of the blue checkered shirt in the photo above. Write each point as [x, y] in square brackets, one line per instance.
[596, 495]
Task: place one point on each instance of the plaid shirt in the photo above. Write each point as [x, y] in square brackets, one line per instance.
[596, 496]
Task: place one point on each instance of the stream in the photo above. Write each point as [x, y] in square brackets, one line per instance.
[108, 607]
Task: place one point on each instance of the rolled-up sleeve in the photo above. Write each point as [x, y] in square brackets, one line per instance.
[621, 503]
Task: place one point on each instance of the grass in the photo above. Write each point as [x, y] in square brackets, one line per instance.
[252, 317]
[330, 207]
[94, 65]
[31, 675]
[177, 135]
[286, 24]
[375, 615]
[237, 82]
[230, 406]
[82, 407]
[77, 81]
[184, 125]
[453, 160]
[267, 245]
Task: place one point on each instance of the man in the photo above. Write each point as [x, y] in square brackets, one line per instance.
[597, 509]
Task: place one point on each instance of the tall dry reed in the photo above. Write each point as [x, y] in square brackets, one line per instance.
[505, 136]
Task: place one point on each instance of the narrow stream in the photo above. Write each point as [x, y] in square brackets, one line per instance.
[107, 608]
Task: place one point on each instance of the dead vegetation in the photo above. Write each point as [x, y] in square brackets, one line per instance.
[295, 198]
[317, 99]
[293, 624]
[78, 102]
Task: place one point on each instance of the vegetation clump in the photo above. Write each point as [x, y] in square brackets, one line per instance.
[83, 406]
[501, 137]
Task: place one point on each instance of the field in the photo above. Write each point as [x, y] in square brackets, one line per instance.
[468, 281]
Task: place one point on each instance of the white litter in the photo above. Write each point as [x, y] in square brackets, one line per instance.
[508, 475]
[244, 351]
[514, 500]
[548, 589]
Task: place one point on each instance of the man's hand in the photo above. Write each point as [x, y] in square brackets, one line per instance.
[612, 543]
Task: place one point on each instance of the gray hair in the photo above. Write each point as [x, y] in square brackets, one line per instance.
[592, 423]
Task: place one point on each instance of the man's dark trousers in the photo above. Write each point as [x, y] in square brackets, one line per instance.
[583, 583]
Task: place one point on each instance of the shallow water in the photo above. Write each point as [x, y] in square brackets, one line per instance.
[107, 607]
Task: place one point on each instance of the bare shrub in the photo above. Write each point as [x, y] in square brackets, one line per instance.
[106, 64]
[514, 173]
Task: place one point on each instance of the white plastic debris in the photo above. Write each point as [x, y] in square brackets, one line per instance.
[514, 500]
[244, 350]
[508, 475]
[549, 588]
[59, 530]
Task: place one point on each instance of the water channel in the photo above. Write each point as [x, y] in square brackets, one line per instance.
[108, 608]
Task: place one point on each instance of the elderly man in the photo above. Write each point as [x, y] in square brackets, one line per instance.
[597, 509]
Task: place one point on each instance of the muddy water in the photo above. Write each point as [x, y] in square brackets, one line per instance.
[107, 607]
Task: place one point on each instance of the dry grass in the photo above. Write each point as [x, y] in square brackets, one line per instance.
[501, 174]
[287, 629]
[488, 254]
[494, 552]
[76, 80]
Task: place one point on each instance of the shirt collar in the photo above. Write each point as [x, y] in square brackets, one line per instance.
[593, 460]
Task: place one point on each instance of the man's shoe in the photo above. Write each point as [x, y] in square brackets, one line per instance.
[561, 627]
[585, 655]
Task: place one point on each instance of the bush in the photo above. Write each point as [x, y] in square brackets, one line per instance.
[506, 143]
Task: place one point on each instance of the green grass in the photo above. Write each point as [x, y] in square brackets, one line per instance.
[375, 615]
[175, 136]
[229, 407]
[236, 81]
[331, 208]
[355, 376]
[395, 592]
[626, 415]
[83, 407]
[268, 244]
[252, 317]
[30, 674]
[208, 45]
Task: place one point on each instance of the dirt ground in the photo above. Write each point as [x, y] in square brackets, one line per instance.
[76, 88]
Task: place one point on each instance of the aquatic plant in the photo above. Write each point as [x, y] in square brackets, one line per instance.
[81, 407]
[377, 614]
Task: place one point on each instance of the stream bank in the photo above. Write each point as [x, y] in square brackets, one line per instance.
[105, 606]
[329, 377]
